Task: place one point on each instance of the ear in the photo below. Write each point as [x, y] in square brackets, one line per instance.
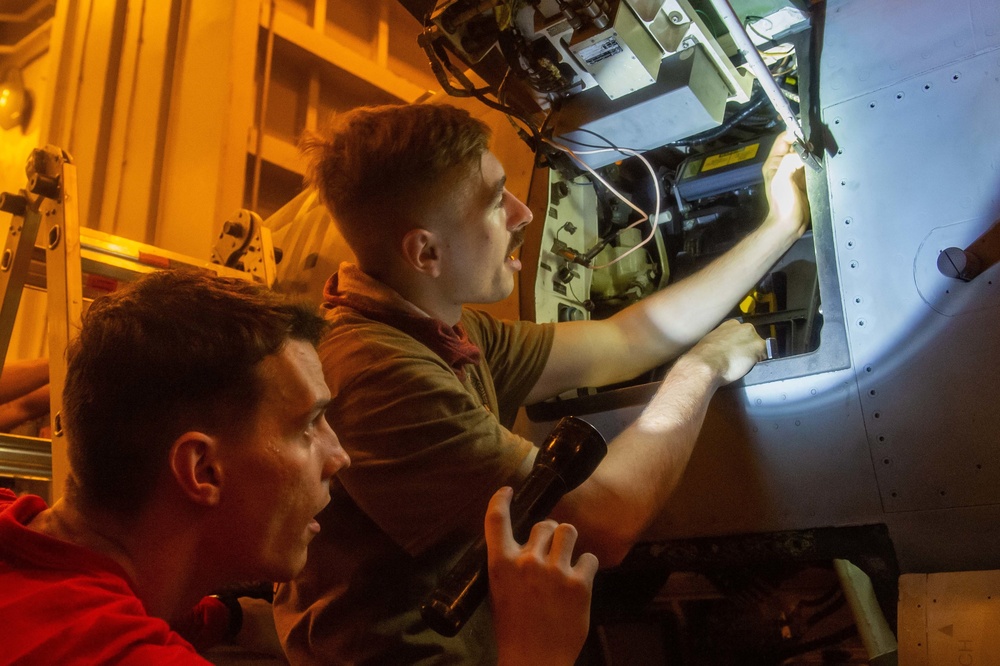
[196, 467]
[421, 251]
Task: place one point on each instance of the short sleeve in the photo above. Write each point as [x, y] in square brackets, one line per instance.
[515, 352]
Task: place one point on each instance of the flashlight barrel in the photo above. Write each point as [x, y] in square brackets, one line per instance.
[570, 455]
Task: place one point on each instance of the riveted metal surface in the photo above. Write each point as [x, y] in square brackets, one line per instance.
[906, 434]
[874, 44]
[917, 170]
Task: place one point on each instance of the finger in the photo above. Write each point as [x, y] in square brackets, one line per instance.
[754, 340]
[751, 332]
[499, 535]
[782, 144]
[789, 163]
[586, 566]
[747, 330]
[540, 540]
[770, 169]
[563, 541]
[758, 348]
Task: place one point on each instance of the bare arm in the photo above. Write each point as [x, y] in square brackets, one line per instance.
[540, 599]
[25, 408]
[645, 462]
[658, 328]
[22, 377]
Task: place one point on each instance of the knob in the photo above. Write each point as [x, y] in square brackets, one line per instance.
[956, 263]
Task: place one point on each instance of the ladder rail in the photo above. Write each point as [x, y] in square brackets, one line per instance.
[46, 248]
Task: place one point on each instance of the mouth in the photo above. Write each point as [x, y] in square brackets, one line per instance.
[513, 262]
[313, 525]
[516, 242]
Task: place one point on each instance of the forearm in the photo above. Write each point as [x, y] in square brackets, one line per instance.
[25, 408]
[644, 464]
[21, 377]
[679, 315]
[663, 325]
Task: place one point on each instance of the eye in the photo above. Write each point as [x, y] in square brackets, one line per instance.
[313, 424]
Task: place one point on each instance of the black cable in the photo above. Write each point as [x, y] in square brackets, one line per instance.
[513, 48]
[610, 145]
[467, 85]
[535, 140]
[426, 42]
[755, 103]
[440, 62]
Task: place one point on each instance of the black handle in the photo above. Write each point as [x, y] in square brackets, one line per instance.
[571, 453]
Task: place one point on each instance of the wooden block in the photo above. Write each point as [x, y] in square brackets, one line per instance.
[949, 618]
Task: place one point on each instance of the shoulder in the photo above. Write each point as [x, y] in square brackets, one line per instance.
[481, 320]
[67, 617]
[356, 346]
[353, 334]
[492, 333]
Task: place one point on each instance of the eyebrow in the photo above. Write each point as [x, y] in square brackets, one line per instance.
[319, 407]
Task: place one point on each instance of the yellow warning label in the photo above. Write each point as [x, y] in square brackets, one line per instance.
[732, 157]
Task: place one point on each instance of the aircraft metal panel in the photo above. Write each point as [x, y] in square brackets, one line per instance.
[870, 44]
[770, 457]
[918, 170]
[907, 93]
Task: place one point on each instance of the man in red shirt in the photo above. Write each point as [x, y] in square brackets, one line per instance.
[200, 454]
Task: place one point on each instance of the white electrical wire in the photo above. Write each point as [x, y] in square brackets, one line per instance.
[645, 216]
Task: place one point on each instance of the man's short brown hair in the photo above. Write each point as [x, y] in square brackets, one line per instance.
[378, 167]
[174, 351]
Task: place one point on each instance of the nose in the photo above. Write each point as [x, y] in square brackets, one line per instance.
[336, 457]
[518, 214]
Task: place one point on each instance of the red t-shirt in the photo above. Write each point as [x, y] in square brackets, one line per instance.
[64, 604]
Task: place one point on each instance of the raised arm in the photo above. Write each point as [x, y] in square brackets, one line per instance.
[684, 312]
[661, 326]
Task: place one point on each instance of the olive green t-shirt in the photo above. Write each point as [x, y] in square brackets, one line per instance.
[427, 452]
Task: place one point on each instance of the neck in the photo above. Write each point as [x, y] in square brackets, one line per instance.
[164, 578]
[449, 313]
[422, 292]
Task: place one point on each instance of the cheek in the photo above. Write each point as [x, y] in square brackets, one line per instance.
[283, 493]
[497, 236]
[287, 529]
